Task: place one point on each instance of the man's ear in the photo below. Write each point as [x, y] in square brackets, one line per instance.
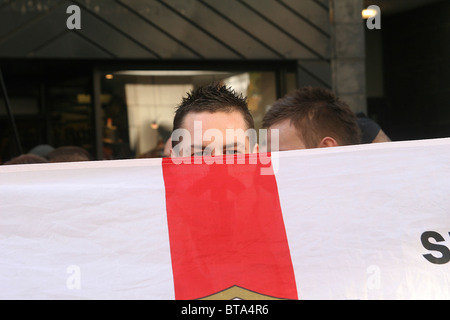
[256, 148]
[328, 142]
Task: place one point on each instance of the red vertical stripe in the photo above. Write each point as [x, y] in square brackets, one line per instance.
[226, 229]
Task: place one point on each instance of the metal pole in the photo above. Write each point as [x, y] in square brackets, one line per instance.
[11, 117]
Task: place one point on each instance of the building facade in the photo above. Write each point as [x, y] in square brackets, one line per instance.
[106, 75]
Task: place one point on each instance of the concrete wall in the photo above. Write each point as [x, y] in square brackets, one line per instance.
[348, 52]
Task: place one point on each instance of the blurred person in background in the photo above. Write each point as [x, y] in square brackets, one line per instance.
[69, 154]
[26, 158]
[371, 131]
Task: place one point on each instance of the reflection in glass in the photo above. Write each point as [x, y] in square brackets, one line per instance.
[142, 121]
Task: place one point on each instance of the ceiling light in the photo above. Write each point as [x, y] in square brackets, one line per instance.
[368, 13]
[170, 73]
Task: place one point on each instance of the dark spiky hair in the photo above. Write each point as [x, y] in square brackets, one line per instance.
[213, 97]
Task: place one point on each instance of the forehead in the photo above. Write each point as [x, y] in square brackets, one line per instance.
[215, 120]
[289, 136]
[284, 125]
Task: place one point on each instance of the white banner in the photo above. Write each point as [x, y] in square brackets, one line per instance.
[355, 217]
[362, 222]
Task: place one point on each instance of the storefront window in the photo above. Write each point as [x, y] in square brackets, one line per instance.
[70, 108]
[117, 113]
[138, 106]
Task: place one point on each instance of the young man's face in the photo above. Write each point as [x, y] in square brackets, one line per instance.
[289, 138]
[214, 133]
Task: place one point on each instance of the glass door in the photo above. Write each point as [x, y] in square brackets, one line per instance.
[137, 106]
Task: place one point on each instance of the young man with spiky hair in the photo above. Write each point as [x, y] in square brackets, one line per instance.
[311, 118]
[213, 120]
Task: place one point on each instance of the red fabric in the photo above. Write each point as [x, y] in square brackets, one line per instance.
[226, 228]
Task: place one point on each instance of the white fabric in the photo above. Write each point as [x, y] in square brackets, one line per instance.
[102, 223]
[353, 215]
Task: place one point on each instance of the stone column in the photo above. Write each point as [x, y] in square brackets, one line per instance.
[348, 52]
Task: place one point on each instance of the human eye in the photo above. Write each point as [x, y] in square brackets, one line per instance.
[197, 154]
[232, 151]
[207, 152]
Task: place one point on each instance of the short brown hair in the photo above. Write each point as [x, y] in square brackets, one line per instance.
[316, 113]
[27, 158]
[213, 97]
[69, 154]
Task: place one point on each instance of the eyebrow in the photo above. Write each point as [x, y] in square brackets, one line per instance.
[235, 144]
